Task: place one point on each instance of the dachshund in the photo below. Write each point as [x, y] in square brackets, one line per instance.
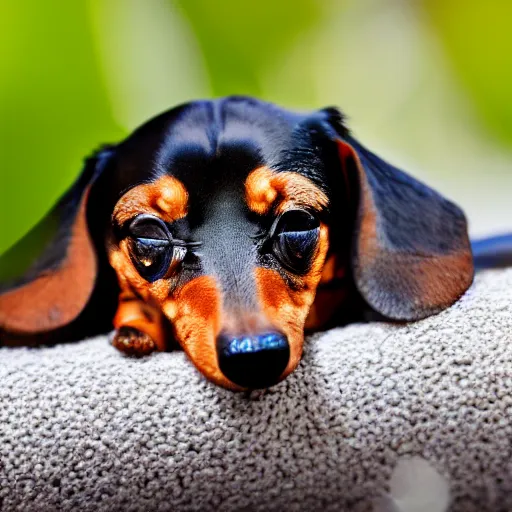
[229, 228]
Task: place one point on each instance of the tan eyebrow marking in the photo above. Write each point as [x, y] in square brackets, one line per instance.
[264, 188]
[166, 198]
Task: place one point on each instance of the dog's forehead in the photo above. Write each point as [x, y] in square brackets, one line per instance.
[210, 145]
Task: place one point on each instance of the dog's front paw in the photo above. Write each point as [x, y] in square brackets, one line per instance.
[133, 342]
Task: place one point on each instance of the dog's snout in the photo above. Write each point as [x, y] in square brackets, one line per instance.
[253, 361]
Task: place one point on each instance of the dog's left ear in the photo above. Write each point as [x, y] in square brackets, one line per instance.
[411, 255]
[57, 285]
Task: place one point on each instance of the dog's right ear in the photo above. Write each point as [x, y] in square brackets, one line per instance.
[60, 280]
[410, 255]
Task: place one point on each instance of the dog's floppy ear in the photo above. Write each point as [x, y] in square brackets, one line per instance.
[411, 255]
[58, 283]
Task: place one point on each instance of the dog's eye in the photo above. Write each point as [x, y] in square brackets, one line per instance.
[152, 258]
[152, 248]
[147, 226]
[295, 239]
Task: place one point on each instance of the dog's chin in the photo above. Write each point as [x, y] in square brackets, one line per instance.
[205, 362]
[225, 383]
[219, 379]
[222, 381]
[215, 376]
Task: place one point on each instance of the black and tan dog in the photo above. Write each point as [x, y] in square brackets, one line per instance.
[231, 226]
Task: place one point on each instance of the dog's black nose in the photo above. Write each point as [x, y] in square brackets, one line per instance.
[253, 361]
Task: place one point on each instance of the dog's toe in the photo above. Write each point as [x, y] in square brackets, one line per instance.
[133, 342]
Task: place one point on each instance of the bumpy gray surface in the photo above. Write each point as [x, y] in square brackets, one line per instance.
[377, 417]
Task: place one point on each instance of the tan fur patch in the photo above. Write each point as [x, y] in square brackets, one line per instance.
[327, 301]
[166, 198]
[266, 189]
[332, 269]
[196, 314]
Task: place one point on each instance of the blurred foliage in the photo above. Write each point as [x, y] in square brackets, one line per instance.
[477, 39]
[149, 57]
[53, 107]
[240, 41]
[413, 76]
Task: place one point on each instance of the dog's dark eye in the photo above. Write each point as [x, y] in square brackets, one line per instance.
[295, 239]
[152, 249]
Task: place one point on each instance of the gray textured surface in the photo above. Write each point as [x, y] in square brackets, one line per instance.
[84, 428]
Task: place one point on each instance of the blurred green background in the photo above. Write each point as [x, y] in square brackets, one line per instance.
[427, 84]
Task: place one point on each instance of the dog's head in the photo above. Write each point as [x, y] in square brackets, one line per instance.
[228, 216]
